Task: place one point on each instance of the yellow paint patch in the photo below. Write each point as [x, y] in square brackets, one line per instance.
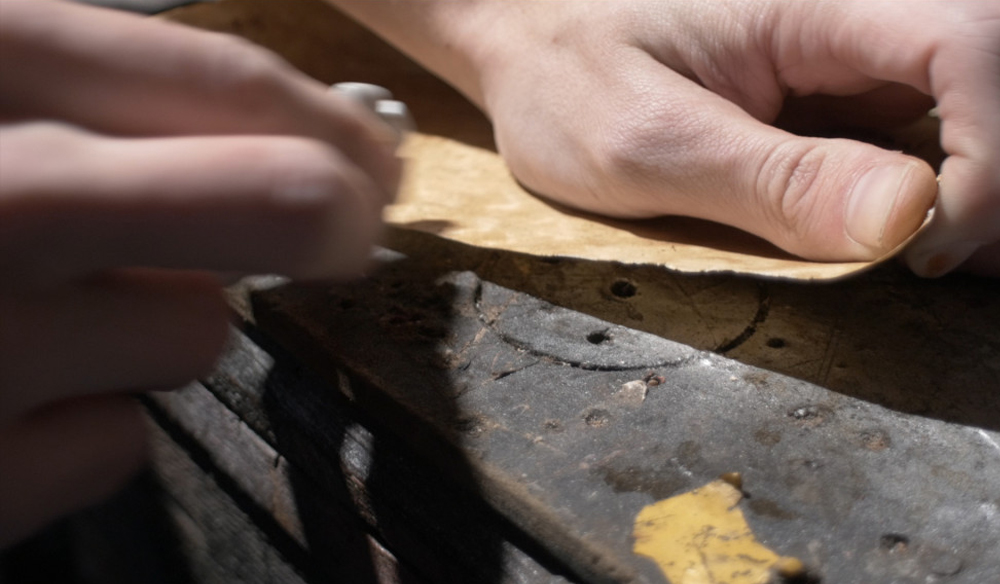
[701, 537]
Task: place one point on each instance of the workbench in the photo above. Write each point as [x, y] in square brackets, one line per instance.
[477, 416]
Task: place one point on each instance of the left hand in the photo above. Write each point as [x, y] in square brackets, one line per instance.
[138, 157]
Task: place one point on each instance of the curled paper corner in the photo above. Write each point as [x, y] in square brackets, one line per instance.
[466, 194]
[702, 537]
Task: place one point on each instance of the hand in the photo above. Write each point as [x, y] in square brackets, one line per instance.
[639, 109]
[136, 158]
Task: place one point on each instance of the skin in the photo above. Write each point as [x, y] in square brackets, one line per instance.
[645, 108]
[129, 179]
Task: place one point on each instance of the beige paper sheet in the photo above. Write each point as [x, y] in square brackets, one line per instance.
[466, 194]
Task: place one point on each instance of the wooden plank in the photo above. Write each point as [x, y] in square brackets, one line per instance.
[268, 491]
[351, 471]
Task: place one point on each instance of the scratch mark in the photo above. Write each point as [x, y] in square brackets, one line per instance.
[472, 342]
[690, 301]
[830, 352]
[540, 441]
[507, 373]
[763, 309]
[988, 439]
[804, 364]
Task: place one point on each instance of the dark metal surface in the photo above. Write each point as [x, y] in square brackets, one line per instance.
[567, 430]
[346, 489]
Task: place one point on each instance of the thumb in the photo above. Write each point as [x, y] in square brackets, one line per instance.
[817, 198]
[832, 199]
[947, 50]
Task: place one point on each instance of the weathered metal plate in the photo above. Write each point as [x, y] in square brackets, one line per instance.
[571, 453]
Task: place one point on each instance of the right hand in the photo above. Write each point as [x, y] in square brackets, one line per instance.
[645, 108]
[138, 158]
[639, 109]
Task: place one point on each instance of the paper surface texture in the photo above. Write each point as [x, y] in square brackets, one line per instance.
[467, 194]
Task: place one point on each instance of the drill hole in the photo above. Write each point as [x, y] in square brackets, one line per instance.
[623, 288]
[894, 542]
[598, 337]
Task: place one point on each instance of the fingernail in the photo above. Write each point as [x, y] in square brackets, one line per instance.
[872, 202]
[379, 100]
[938, 261]
[396, 114]
[364, 93]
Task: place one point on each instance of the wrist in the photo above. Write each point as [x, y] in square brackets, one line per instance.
[454, 40]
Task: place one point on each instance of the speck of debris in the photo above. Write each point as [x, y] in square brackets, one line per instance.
[894, 543]
[756, 378]
[652, 379]
[809, 415]
[597, 418]
[633, 391]
[553, 425]
[804, 413]
[471, 425]
[875, 440]
[812, 464]
[767, 437]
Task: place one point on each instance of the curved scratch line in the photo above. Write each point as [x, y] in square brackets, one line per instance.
[988, 439]
[763, 309]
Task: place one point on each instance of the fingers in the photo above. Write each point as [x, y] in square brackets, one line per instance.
[835, 200]
[73, 203]
[968, 211]
[952, 54]
[199, 152]
[822, 199]
[137, 76]
[679, 149]
[125, 331]
[65, 457]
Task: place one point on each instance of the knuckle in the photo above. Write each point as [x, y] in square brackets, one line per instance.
[40, 162]
[788, 185]
[628, 149]
[304, 174]
[654, 136]
[318, 202]
[238, 72]
[32, 152]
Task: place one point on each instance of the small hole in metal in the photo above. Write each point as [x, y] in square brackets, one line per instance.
[598, 337]
[624, 289]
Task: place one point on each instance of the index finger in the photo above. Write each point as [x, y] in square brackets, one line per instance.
[967, 213]
[73, 203]
[122, 74]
